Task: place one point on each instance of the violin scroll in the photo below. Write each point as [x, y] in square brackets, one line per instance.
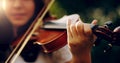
[104, 32]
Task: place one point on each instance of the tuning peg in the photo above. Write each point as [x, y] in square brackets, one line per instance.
[117, 29]
[110, 45]
[109, 25]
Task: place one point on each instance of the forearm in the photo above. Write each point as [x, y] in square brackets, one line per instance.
[82, 57]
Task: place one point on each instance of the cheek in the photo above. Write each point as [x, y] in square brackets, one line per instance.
[31, 11]
[7, 8]
[7, 12]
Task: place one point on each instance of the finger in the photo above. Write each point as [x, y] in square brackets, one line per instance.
[80, 20]
[68, 28]
[80, 27]
[87, 29]
[94, 22]
[73, 30]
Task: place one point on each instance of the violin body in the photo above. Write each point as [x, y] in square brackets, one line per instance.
[51, 39]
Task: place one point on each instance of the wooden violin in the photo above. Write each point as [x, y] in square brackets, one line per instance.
[53, 39]
[104, 32]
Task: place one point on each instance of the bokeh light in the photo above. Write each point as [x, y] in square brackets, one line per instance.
[0, 4]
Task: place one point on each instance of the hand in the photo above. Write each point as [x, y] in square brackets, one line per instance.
[80, 36]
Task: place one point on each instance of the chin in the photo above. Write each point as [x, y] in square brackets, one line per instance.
[19, 22]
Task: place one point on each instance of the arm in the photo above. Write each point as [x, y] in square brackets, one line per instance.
[80, 41]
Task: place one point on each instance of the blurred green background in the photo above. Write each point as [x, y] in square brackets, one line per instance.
[102, 10]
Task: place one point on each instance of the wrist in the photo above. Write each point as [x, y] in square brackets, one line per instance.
[80, 50]
[82, 57]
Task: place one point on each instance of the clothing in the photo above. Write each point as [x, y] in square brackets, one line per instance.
[103, 53]
[60, 56]
[6, 37]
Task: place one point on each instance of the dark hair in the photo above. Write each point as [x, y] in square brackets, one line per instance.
[6, 33]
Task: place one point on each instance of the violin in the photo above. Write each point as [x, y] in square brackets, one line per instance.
[104, 32]
[53, 39]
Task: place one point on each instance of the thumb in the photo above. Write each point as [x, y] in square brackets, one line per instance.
[94, 22]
